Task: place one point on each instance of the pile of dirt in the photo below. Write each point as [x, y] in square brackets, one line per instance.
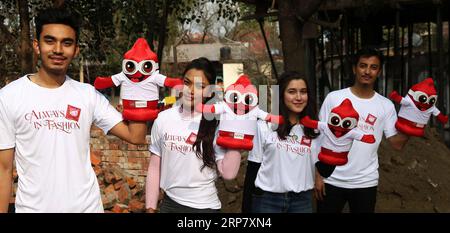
[415, 179]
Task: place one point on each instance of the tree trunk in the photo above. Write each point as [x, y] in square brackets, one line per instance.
[151, 23]
[291, 36]
[291, 32]
[58, 3]
[25, 51]
[162, 30]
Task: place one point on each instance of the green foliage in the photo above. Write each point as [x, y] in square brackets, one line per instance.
[109, 27]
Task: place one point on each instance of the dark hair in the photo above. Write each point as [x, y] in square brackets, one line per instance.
[368, 52]
[203, 145]
[57, 16]
[310, 109]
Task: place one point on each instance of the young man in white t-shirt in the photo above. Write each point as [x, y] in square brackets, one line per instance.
[356, 182]
[45, 121]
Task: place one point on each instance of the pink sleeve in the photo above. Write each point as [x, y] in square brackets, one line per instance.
[152, 182]
[229, 166]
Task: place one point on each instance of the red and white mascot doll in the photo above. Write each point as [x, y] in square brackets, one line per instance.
[417, 107]
[139, 82]
[339, 133]
[239, 113]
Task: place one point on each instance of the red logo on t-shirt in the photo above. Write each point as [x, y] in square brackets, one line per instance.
[306, 141]
[191, 139]
[371, 119]
[73, 113]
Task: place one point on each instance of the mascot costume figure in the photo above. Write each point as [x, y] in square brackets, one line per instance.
[417, 107]
[139, 82]
[238, 115]
[339, 133]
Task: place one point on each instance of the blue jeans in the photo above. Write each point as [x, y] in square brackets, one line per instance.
[290, 202]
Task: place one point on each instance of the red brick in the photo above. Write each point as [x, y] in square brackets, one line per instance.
[131, 182]
[142, 147]
[136, 206]
[109, 198]
[133, 166]
[118, 174]
[113, 139]
[132, 147]
[123, 147]
[118, 185]
[133, 160]
[109, 189]
[109, 176]
[136, 192]
[98, 146]
[113, 159]
[132, 154]
[98, 170]
[119, 208]
[96, 132]
[113, 146]
[124, 194]
[95, 158]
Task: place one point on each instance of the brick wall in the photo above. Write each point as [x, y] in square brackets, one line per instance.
[110, 150]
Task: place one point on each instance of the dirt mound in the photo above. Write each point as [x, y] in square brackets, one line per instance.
[417, 178]
[413, 180]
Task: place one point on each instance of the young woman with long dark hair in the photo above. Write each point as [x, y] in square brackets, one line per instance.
[280, 173]
[184, 160]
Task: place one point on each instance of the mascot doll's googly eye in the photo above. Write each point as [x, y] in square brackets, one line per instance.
[232, 97]
[129, 67]
[349, 123]
[334, 119]
[147, 67]
[251, 99]
[432, 100]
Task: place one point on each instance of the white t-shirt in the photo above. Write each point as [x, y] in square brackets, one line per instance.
[409, 111]
[341, 144]
[377, 115]
[243, 124]
[50, 131]
[181, 177]
[145, 90]
[286, 165]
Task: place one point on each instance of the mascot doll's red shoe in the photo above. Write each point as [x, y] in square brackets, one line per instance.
[238, 115]
[139, 82]
[339, 134]
[417, 107]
